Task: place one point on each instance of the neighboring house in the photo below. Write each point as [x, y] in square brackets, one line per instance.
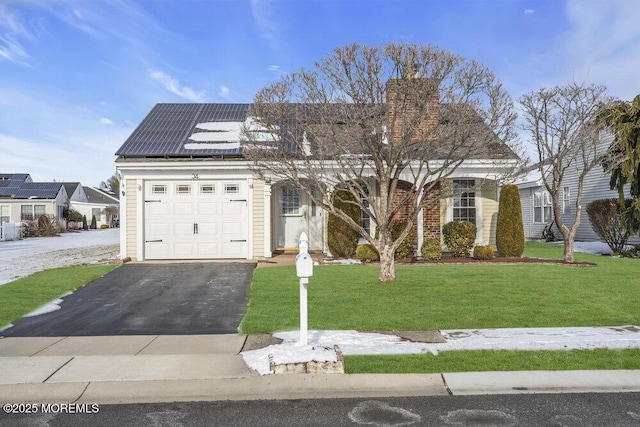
[537, 210]
[21, 199]
[99, 203]
[187, 192]
[75, 192]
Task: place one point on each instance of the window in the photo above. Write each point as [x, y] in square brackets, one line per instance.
[183, 189]
[464, 200]
[96, 212]
[231, 188]
[290, 201]
[207, 189]
[39, 210]
[566, 200]
[541, 207]
[159, 189]
[365, 220]
[26, 212]
[4, 214]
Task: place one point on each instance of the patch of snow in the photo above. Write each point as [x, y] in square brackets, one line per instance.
[285, 353]
[595, 248]
[342, 261]
[48, 308]
[362, 343]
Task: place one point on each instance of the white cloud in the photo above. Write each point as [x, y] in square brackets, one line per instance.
[267, 25]
[224, 91]
[175, 87]
[529, 11]
[603, 44]
[105, 121]
[11, 31]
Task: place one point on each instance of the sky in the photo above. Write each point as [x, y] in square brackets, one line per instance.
[77, 77]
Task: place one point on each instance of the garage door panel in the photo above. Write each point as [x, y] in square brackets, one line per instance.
[183, 208]
[233, 208]
[158, 229]
[234, 249]
[184, 250]
[158, 250]
[208, 228]
[208, 208]
[208, 219]
[157, 208]
[182, 229]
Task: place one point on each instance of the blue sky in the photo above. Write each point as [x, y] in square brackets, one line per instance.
[76, 77]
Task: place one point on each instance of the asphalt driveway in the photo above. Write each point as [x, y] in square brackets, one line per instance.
[149, 299]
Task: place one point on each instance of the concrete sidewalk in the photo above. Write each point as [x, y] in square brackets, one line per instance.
[152, 368]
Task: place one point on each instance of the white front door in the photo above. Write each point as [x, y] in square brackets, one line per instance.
[297, 213]
[195, 219]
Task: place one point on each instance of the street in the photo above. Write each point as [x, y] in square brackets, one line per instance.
[589, 409]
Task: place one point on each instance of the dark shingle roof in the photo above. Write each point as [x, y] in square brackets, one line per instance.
[167, 128]
[99, 196]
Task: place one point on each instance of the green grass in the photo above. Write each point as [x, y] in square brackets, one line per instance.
[498, 360]
[460, 296]
[24, 295]
[451, 296]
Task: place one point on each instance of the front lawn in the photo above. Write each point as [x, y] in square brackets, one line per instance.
[24, 295]
[451, 296]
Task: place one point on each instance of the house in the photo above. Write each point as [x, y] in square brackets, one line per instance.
[188, 192]
[21, 199]
[537, 207]
[535, 200]
[100, 203]
[75, 192]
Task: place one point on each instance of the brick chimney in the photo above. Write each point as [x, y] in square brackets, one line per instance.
[412, 107]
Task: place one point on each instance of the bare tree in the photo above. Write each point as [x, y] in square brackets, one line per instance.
[563, 124]
[113, 183]
[377, 120]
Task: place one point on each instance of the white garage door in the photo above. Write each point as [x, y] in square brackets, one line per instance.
[195, 219]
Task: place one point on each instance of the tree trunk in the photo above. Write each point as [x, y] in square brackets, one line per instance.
[387, 256]
[387, 264]
[568, 251]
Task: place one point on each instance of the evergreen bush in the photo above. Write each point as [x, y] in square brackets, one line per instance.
[510, 229]
[606, 216]
[483, 252]
[94, 223]
[431, 250]
[367, 253]
[459, 237]
[341, 238]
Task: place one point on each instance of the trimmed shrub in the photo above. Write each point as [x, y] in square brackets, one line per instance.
[483, 252]
[459, 237]
[94, 223]
[342, 239]
[104, 227]
[510, 229]
[431, 250]
[605, 217]
[84, 222]
[367, 253]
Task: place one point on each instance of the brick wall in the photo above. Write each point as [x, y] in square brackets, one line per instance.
[412, 108]
[431, 211]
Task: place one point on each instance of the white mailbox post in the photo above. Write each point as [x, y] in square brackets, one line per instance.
[304, 270]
